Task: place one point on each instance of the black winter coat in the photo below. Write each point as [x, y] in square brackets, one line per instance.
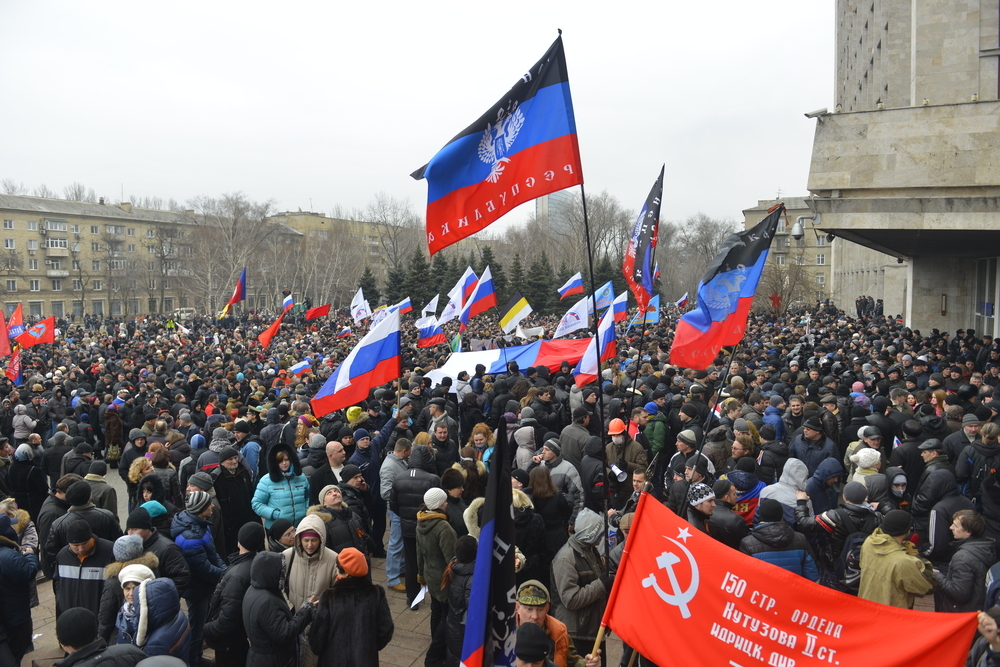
[270, 625]
[17, 573]
[112, 597]
[963, 589]
[81, 583]
[727, 526]
[352, 624]
[555, 512]
[459, 590]
[28, 486]
[173, 566]
[408, 489]
[234, 493]
[99, 653]
[224, 624]
[773, 455]
[52, 509]
[102, 522]
[529, 536]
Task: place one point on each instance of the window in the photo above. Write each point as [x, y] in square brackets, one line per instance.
[131, 247]
[77, 284]
[800, 259]
[116, 264]
[32, 225]
[95, 247]
[35, 285]
[94, 229]
[166, 283]
[820, 280]
[8, 224]
[133, 284]
[95, 265]
[97, 307]
[150, 233]
[11, 285]
[57, 286]
[788, 241]
[115, 229]
[151, 266]
[168, 305]
[821, 241]
[57, 243]
[75, 246]
[781, 226]
[779, 260]
[8, 244]
[78, 309]
[152, 283]
[35, 308]
[56, 225]
[75, 229]
[820, 259]
[32, 264]
[57, 309]
[150, 250]
[77, 266]
[98, 285]
[54, 264]
[131, 231]
[32, 244]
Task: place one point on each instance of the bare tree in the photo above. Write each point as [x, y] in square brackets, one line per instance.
[12, 187]
[398, 228]
[166, 251]
[44, 191]
[693, 245]
[610, 224]
[77, 191]
[790, 280]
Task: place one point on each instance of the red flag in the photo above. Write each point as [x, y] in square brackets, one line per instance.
[43, 332]
[739, 610]
[269, 333]
[14, 368]
[318, 311]
[4, 338]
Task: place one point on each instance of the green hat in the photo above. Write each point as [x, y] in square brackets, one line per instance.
[532, 593]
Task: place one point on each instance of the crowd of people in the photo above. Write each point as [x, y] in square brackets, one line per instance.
[852, 451]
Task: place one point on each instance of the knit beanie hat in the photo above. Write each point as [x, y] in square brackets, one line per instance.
[553, 446]
[688, 437]
[127, 547]
[202, 480]
[77, 627]
[227, 453]
[352, 562]
[78, 493]
[770, 510]
[78, 532]
[139, 518]
[196, 501]
[99, 468]
[866, 458]
[251, 536]
[435, 498]
[855, 492]
[154, 507]
[896, 523]
[699, 493]
[317, 441]
[279, 528]
[326, 489]
[361, 433]
[136, 574]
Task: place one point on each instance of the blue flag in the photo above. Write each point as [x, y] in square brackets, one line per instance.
[605, 295]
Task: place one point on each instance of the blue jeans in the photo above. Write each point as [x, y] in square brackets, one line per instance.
[394, 558]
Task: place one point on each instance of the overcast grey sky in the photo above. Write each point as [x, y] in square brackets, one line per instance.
[334, 102]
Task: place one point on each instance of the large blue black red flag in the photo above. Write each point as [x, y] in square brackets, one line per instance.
[725, 295]
[489, 621]
[638, 264]
[524, 147]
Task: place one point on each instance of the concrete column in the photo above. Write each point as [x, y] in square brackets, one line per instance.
[929, 279]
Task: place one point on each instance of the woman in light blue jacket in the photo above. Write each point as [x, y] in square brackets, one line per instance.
[284, 492]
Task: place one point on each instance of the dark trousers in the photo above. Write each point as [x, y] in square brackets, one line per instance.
[438, 650]
[197, 615]
[378, 531]
[410, 556]
[18, 642]
[232, 655]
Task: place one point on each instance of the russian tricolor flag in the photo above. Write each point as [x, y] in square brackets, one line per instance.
[300, 368]
[404, 306]
[602, 348]
[344, 333]
[483, 297]
[682, 302]
[288, 303]
[373, 362]
[467, 283]
[620, 307]
[431, 333]
[573, 286]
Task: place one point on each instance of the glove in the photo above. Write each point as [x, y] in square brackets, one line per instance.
[607, 581]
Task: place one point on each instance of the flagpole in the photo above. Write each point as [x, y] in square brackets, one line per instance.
[718, 391]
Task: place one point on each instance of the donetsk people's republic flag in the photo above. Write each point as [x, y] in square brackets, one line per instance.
[522, 148]
[725, 295]
[637, 266]
[712, 605]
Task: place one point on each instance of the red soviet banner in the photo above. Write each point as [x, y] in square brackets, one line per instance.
[682, 598]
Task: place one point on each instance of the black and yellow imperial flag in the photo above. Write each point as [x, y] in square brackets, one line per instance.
[515, 311]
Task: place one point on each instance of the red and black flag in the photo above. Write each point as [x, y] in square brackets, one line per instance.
[638, 267]
[725, 295]
[489, 621]
[524, 147]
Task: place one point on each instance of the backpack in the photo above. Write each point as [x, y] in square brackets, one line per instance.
[983, 468]
[847, 566]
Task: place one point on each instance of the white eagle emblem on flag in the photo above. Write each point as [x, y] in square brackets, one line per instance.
[497, 139]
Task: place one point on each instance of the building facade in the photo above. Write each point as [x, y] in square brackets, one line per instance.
[906, 164]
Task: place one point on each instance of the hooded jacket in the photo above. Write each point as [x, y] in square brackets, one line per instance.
[270, 625]
[793, 479]
[408, 488]
[593, 477]
[823, 495]
[309, 575]
[812, 452]
[778, 544]
[163, 627]
[892, 573]
[112, 597]
[435, 549]
[578, 594]
[773, 455]
[282, 495]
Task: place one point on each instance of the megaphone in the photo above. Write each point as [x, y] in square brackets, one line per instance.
[618, 473]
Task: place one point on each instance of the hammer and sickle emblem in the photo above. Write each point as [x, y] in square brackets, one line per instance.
[676, 597]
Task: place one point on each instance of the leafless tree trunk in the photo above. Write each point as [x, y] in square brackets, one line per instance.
[398, 228]
[12, 187]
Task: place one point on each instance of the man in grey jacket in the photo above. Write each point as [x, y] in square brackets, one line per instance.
[395, 463]
[564, 474]
[579, 583]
